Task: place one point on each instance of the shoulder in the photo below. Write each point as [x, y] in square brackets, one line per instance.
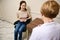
[42, 29]
[36, 28]
[47, 29]
[37, 33]
[34, 35]
[19, 11]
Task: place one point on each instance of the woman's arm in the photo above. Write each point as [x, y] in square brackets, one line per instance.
[20, 18]
[17, 16]
[29, 16]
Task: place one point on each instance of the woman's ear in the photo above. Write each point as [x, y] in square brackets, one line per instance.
[41, 14]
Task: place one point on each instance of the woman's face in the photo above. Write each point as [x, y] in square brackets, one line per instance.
[23, 6]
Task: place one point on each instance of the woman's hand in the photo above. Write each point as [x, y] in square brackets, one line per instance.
[23, 19]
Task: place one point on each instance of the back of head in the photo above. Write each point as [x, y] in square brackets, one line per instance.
[50, 9]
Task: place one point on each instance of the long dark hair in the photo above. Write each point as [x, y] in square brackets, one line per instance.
[21, 4]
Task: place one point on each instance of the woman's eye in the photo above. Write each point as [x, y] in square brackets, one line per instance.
[23, 5]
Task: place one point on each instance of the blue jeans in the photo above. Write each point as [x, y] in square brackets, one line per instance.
[18, 30]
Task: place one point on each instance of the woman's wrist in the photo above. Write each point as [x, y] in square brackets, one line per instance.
[29, 18]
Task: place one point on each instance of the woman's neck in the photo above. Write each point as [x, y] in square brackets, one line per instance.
[47, 20]
[22, 10]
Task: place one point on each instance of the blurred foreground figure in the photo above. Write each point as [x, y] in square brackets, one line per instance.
[50, 30]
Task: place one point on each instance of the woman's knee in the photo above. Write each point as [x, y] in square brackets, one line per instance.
[15, 31]
[20, 31]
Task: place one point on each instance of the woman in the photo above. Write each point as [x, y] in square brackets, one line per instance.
[23, 17]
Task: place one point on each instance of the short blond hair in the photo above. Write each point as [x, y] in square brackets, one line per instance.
[50, 9]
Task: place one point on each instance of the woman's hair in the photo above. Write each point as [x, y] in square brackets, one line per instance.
[50, 9]
[21, 4]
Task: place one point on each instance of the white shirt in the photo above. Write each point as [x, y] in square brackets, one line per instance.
[47, 31]
[22, 14]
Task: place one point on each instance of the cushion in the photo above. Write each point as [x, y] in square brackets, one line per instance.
[34, 23]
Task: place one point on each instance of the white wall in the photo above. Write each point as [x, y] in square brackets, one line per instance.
[0, 8]
[10, 7]
[35, 5]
